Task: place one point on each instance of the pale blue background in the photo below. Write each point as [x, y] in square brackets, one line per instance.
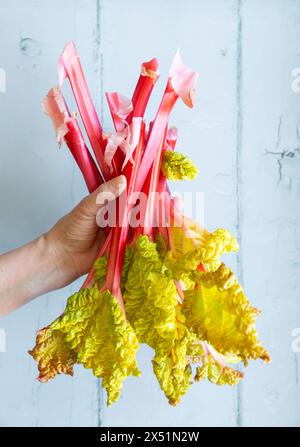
[244, 136]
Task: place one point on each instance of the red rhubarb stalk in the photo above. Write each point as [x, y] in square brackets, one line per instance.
[120, 232]
[148, 77]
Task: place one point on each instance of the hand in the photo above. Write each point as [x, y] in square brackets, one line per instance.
[58, 257]
[75, 240]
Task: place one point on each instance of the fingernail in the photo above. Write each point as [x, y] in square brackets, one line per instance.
[111, 189]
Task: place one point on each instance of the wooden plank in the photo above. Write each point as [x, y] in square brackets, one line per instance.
[206, 34]
[39, 184]
[269, 194]
[245, 58]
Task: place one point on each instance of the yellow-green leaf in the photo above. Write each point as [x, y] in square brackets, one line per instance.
[177, 166]
[93, 330]
[218, 311]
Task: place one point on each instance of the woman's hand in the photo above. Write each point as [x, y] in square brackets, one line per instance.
[75, 240]
[58, 257]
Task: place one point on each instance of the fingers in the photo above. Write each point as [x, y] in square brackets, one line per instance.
[107, 192]
[111, 190]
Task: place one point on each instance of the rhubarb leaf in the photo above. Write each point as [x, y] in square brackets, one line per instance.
[161, 245]
[53, 354]
[218, 311]
[152, 308]
[150, 297]
[193, 246]
[94, 327]
[215, 369]
[173, 369]
[177, 166]
[100, 270]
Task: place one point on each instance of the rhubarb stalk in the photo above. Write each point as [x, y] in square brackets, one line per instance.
[120, 232]
[67, 128]
[70, 67]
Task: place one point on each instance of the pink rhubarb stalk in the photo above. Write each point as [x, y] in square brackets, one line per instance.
[123, 111]
[151, 189]
[89, 281]
[70, 67]
[67, 129]
[120, 108]
[181, 83]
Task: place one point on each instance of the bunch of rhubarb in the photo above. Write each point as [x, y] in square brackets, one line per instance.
[158, 278]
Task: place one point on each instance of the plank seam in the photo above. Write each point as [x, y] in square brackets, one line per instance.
[239, 135]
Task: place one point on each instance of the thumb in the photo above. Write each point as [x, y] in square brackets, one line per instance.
[107, 192]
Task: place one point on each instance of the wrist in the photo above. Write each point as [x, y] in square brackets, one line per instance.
[56, 260]
[28, 272]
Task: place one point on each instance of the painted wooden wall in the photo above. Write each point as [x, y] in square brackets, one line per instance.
[243, 134]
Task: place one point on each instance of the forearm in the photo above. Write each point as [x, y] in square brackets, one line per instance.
[66, 252]
[26, 273]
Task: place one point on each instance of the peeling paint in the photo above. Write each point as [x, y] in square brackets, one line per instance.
[284, 154]
[281, 156]
[30, 47]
